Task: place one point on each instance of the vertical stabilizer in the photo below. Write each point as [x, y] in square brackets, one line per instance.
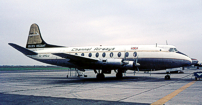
[35, 39]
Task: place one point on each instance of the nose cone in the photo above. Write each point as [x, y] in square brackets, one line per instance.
[194, 61]
[187, 61]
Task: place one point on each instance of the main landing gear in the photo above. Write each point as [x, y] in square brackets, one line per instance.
[100, 75]
[119, 74]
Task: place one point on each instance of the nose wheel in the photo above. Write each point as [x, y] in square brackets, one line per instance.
[167, 77]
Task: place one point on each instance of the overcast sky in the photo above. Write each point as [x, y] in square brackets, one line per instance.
[101, 22]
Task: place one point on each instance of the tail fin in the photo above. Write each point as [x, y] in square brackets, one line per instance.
[35, 40]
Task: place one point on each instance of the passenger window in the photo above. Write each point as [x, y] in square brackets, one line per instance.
[82, 54]
[135, 54]
[119, 54]
[97, 54]
[103, 54]
[90, 54]
[126, 54]
[111, 54]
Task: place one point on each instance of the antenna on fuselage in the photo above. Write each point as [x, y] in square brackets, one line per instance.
[166, 42]
[156, 44]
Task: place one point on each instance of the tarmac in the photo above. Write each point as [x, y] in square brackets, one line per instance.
[52, 87]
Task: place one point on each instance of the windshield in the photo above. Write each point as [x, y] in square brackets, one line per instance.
[173, 50]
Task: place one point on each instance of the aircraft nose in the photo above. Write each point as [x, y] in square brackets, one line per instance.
[188, 61]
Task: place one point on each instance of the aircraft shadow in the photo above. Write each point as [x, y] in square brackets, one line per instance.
[114, 80]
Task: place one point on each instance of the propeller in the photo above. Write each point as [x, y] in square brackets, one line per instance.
[124, 59]
[137, 64]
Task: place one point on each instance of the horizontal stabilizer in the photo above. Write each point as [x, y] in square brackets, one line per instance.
[75, 57]
[22, 49]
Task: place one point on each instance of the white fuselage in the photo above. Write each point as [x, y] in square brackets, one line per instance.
[148, 56]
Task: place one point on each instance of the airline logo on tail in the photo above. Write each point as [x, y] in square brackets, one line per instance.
[36, 46]
[35, 39]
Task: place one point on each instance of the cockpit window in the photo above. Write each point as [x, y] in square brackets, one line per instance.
[171, 50]
[175, 49]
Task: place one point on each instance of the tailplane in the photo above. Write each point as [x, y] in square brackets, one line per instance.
[22, 49]
[35, 39]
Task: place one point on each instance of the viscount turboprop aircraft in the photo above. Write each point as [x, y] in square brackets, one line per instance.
[104, 59]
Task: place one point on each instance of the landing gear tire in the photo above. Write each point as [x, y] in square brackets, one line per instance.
[100, 76]
[167, 77]
[67, 76]
[119, 75]
[196, 78]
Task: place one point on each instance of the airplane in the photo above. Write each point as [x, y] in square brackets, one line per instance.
[199, 64]
[104, 59]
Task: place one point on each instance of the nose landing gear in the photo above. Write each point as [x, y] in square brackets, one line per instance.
[167, 77]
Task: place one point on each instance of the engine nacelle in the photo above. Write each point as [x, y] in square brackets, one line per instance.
[129, 64]
[117, 63]
[111, 62]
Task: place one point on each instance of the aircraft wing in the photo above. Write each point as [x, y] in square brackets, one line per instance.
[75, 57]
